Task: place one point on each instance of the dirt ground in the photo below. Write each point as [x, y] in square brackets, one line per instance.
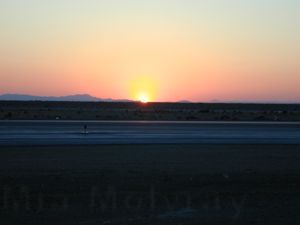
[150, 111]
[150, 184]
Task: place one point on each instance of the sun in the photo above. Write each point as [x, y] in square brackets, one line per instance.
[143, 88]
[143, 98]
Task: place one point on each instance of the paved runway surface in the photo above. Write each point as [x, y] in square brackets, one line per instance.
[146, 132]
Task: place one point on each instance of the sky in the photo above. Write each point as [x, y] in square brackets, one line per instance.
[158, 50]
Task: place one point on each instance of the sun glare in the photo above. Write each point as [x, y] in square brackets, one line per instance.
[144, 89]
[144, 98]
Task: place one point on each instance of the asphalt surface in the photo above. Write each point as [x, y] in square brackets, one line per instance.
[146, 132]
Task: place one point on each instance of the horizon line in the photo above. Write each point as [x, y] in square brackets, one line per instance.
[112, 100]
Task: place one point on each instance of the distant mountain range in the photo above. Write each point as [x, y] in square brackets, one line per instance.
[69, 98]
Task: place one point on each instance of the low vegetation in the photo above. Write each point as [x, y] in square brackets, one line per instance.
[37, 110]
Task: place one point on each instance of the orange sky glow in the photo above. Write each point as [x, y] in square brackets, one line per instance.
[155, 51]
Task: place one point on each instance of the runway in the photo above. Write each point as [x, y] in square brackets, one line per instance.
[146, 132]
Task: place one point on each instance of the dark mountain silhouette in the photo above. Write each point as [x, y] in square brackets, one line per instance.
[185, 101]
[71, 98]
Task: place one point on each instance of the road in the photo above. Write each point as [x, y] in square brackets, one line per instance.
[146, 132]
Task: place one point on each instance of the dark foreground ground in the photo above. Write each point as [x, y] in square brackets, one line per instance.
[31, 110]
[150, 184]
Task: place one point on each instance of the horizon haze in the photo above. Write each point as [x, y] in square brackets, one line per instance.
[90, 98]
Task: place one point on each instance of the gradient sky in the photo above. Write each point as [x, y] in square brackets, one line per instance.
[225, 50]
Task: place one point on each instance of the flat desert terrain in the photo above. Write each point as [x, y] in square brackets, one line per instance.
[149, 164]
[35, 110]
